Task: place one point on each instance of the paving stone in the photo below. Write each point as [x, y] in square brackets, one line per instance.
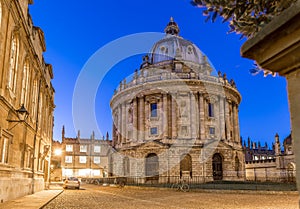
[95, 197]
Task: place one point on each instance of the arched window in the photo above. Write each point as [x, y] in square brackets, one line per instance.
[130, 115]
[186, 165]
[153, 109]
[291, 172]
[211, 113]
[13, 64]
[34, 99]
[152, 165]
[25, 86]
[41, 109]
[217, 166]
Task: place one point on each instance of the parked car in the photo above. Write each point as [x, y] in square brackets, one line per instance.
[71, 182]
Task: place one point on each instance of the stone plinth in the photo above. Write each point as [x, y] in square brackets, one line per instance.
[277, 48]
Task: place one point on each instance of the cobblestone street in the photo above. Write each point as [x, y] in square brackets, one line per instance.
[90, 197]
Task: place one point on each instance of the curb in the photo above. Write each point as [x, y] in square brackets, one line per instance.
[51, 199]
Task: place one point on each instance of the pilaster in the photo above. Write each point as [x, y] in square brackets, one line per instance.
[135, 120]
[174, 115]
[165, 116]
[141, 117]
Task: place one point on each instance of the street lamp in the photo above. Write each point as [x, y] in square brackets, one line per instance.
[57, 152]
[22, 115]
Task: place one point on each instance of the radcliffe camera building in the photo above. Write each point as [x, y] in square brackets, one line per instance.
[175, 118]
[26, 103]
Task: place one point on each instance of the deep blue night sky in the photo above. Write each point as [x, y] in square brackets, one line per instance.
[75, 30]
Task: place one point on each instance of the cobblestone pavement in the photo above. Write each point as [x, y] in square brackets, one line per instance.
[94, 197]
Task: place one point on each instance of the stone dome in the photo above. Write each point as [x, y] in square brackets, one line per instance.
[173, 46]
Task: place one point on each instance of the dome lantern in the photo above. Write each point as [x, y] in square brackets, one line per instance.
[174, 47]
[172, 27]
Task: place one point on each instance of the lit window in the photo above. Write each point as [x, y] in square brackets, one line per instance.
[97, 160]
[13, 64]
[67, 172]
[97, 148]
[210, 110]
[4, 145]
[82, 159]
[69, 148]
[153, 109]
[153, 131]
[68, 159]
[212, 130]
[83, 148]
[96, 172]
[83, 172]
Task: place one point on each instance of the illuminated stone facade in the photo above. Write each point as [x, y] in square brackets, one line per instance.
[176, 119]
[25, 79]
[80, 157]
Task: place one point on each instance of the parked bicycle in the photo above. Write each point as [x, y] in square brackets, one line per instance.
[119, 182]
[181, 186]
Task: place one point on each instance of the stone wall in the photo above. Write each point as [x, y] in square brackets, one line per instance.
[25, 81]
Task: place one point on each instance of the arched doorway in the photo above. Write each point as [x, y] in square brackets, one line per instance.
[186, 166]
[291, 172]
[217, 167]
[152, 167]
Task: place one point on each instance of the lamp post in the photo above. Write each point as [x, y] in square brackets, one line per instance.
[22, 115]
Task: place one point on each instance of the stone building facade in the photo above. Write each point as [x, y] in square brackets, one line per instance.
[80, 157]
[175, 118]
[276, 164]
[25, 90]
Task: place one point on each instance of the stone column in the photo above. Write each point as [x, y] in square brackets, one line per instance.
[170, 116]
[165, 116]
[160, 116]
[193, 116]
[227, 119]
[236, 124]
[127, 107]
[119, 128]
[233, 120]
[123, 123]
[135, 120]
[197, 119]
[202, 117]
[141, 116]
[222, 117]
[293, 80]
[174, 116]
